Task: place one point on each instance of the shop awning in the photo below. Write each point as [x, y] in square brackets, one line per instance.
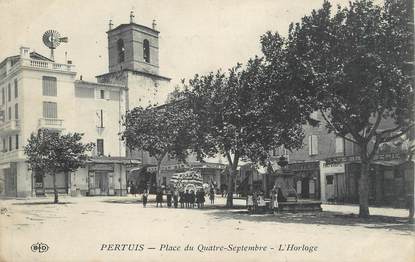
[395, 162]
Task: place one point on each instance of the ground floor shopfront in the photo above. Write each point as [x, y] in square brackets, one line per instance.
[101, 176]
[391, 182]
[306, 176]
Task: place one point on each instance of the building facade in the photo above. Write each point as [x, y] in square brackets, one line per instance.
[39, 93]
[328, 168]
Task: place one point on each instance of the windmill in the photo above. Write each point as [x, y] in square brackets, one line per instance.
[53, 39]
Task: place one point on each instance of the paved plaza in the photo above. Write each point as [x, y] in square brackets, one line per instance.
[120, 229]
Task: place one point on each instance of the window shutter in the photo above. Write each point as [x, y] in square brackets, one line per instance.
[107, 94]
[98, 118]
[310, 145]
[315, 144]
[339, 145]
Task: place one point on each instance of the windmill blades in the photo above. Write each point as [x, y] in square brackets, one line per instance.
[51, 39]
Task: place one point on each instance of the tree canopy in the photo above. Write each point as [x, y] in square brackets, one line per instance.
[244, 114]
[159, 130]
[52, 152]
[352, 65]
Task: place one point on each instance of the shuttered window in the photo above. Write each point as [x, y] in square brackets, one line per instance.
[100, 118]
[16, 111]
[49, 86]
[16, 90]
[9, 113]
[9, 93]
[339, 145]
[312, 145]
[50, 110]
[100, 147]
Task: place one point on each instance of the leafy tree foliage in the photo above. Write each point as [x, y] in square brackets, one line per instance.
[51, 152]
[353, 66]
[159, 131]
[243, 114]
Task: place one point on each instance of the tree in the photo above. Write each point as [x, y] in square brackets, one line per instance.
[353, 67]
[159, 131]
[52, 152]
[243, 114]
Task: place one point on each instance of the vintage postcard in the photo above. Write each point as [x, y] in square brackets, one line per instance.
[173, 130]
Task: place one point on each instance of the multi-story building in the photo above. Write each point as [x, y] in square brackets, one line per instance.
[38, 93]
[328, 168]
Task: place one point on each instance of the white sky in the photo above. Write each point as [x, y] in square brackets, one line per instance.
[196, 36]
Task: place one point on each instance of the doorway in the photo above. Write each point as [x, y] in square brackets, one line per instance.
[101, 183]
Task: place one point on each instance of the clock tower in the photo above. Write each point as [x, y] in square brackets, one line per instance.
[133, 56]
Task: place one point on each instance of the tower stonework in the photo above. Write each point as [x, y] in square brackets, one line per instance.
[133, 56]
[135, 47]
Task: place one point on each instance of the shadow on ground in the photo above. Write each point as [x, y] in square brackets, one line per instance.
[153, 202]
[322, 218]
[41, 203]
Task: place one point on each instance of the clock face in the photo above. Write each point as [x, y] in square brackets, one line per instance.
[51, 38]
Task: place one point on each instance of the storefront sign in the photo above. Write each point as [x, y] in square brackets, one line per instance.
[344, 159]
[102, 167]
[332, 167]
[304, 166]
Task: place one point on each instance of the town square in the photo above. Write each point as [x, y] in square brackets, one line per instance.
[209, 131]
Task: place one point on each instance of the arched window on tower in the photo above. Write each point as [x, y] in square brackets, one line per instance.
[146, 51]
[121, 50]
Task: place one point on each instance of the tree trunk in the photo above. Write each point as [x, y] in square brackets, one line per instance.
[229, 196]
[158, 182]
[55, 191]
[364, 189]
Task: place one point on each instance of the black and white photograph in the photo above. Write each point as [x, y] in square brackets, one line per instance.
[233, 130]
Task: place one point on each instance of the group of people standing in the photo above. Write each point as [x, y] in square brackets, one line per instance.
[186, 199]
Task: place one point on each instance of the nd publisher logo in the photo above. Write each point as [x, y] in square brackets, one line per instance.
[39, 247]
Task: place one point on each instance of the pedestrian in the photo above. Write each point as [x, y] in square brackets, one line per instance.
[202, 198]
[187, 198]
[274, 200]
[169, 198]
[255, 202]
[192, 199]
[159, 198]
[199, 198]
[175, 198]
[129, 187]
[134, 189]
[261, 203]
[145, 197]
[181, 199]
[250, 202]
[212, 196]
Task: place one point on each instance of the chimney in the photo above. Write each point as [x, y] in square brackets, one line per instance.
[132, 17]
[110, 24]
[25, 52]
[154, 24]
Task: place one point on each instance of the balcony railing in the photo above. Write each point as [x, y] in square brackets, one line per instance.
[13, 155]
[37, 64]
[51, 123]
[9, 126]
[46, 65]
